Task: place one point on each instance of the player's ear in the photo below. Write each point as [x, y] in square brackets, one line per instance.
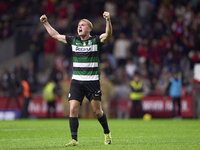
[89, 29]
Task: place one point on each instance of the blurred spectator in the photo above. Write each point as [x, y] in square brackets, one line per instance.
[130, 68]
[124, 27]
[179, 10]
[170, 14]
[35, 10]
[50, 50]
[15, 90]
[135, 41]
[65, 86]
[27, 97]
[20, 71]
[105, 64]
[174, 58]
[5, 30]
[21, 11]
[155, 88]
[143, 50]
[163, 82]
[62, 16]
[165, 45]
[144, 11]
[36, 48]
[48, 6]
[154, 70]
[31, 77]
[185, 64]
[177, 28]
[1, 30]
[55, 75]
[3, 7]
[49, 95]
[107, 88]
[158, 31]
[108, 49]
[61, 10]
[136, 95]
[122, 98]
[131, 7]
[174, 87]
[146, 82]
[162, 11]
[60, 62]
[111, 7]
[5, 81]
[33, 53]
[189, 15]
[85, 8]
[121, 49]
[155, 52]
[194, 57]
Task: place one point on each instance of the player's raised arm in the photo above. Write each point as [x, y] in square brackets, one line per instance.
[105, 36]
[52, 32]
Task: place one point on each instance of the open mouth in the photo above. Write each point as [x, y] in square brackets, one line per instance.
[80, 30]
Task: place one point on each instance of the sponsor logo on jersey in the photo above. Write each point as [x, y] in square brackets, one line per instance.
[83, 48]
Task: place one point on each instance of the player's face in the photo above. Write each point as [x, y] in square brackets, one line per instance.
[83, 28]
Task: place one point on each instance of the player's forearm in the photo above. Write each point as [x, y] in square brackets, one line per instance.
[108, 28]
[52, 32]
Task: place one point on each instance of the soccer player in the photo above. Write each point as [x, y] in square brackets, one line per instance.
[86, 72]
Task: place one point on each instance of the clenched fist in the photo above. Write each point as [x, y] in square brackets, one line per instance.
[43, 18]
[106, 15]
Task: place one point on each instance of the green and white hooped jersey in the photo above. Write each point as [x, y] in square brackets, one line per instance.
[85, 58]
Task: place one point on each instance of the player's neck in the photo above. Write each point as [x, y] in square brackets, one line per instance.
[85, 37]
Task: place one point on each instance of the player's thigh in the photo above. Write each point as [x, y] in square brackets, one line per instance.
[76, 91]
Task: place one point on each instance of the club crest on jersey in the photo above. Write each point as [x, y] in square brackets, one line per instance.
[89, 42]
[84, 44]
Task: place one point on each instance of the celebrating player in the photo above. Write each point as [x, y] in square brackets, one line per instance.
[86, 72]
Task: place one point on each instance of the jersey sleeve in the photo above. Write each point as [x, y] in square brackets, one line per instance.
[97, 37]
[69, 40]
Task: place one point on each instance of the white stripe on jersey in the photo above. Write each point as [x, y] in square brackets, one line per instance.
[95, 64]
[85, 77]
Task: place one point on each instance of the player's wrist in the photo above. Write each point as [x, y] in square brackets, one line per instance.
[45, 23]
[107, 19]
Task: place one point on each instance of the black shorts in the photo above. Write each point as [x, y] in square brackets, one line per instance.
[79, 89]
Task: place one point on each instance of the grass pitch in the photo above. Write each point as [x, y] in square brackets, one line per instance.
[133, 134]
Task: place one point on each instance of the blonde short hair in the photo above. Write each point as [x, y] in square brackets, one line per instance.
[88, 23]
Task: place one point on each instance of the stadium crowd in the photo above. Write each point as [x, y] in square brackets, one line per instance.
[154, 37]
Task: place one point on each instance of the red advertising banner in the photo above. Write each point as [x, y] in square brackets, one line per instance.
[160, 106]
[157, 106]
[38, 107]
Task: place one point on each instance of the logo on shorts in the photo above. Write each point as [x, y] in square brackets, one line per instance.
[97, 95]
[69, 95]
